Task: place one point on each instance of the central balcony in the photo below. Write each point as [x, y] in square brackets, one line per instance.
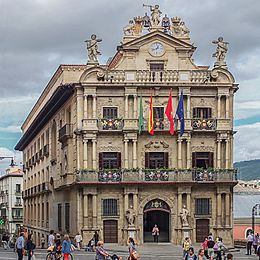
[110, 124]
[156, 176]
[160, 124]
[200, 124]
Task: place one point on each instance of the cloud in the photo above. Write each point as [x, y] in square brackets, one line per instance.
[11, 129]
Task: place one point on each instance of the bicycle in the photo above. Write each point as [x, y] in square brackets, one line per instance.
[55, 256]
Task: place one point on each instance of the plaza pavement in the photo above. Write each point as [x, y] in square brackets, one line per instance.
[147, 252]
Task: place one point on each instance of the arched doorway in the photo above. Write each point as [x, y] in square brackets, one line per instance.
[156, 212]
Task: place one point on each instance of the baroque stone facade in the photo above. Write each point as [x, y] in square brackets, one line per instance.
[88, 169]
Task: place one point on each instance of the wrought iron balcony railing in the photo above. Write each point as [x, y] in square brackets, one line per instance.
[46, 150]
[204, 124]
[160, 124]
[156, 175]
[65, 132]
[110, 124]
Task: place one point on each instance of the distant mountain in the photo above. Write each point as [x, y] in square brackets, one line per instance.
[248, 170]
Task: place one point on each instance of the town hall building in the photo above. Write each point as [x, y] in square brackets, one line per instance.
[97, 149]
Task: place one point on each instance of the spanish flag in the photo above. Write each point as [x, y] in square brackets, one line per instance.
[169, 113]
[150, 119]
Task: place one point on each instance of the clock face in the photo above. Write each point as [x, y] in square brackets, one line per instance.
[156, 49]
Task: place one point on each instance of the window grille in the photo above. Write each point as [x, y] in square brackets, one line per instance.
[202, 206]
[110, 112]
[110, 207]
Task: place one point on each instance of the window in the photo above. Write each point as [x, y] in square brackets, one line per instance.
[18, 201]
[202, 207]
[17, 213]
[67, 216]
[156, 66]
[158, 115]
[202, 112]
[109, 160]
[18, 188]
[202, 160]
[110, 112]
[156, 160]
[110, 207]
[59, 217]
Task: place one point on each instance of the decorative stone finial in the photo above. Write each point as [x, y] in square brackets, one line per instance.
[92, 49]
[220, 54]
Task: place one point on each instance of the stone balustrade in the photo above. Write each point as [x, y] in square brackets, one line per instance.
[156, 175]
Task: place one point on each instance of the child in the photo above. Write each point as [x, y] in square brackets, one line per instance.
[66, 247]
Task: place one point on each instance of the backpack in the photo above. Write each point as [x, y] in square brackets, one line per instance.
[215, 247]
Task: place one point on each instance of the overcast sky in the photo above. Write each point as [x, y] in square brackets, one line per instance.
[39, 35]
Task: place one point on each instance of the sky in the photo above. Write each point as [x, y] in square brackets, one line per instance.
[39, 35]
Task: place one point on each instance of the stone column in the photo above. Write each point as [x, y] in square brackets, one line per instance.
[94, 106]
[179, 208]
[126, 106]
[231, 151]
[227, 154]
[135, 201]
[126, 154]
[134, 153]
[85, 154]
[135, 106]
[94, 154]
[78, 152]
[85, 211]
[227, 106]
[79, 108]
[179, 153]
[219, 105]
[219, 211]
[188, 106]
[227, 202]
[188, 154]
[85, 107]
[94, 202]
[125, 202]
[218, 154]
[189, 202]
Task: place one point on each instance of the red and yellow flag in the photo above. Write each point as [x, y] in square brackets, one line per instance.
[150, 119]
[169, 113]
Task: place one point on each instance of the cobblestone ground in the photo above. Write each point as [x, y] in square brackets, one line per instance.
[151, 251]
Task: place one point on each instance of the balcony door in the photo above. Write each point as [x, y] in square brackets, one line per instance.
[156, 160]
[202, 160]
[109, 160]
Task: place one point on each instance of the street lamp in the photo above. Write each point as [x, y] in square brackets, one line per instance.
[255, 212]
[8, 157]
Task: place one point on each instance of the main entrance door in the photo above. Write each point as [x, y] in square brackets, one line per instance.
[110, 231]
[202, 229]
[157, 212]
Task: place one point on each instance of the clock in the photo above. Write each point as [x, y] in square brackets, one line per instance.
[156, 49]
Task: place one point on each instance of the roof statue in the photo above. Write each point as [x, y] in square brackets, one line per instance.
[135, 27]
[166, 23]
[179, 29]
[92, 48]
[220, 54]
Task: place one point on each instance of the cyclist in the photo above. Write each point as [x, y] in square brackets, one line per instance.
[58, 245]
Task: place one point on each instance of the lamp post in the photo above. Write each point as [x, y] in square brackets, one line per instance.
[255, 212]
[8, 157]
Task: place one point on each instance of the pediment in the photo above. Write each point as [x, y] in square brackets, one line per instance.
[92, 74]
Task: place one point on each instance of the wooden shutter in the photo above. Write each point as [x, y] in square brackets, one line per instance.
[100, 160]
[193, 160]
[166, 160]
[118, 160]
[209, 112]
[147, 160]
[194, 112]
[211, 159]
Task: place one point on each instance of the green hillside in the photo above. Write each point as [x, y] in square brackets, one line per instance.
[248, 170]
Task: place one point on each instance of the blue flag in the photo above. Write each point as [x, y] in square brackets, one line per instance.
[180, 114]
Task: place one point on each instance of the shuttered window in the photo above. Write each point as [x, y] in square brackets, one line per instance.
[110, 207]
[59, 217]
[202, 206]
[110, 112]
[202, 112]
[67, 217]
[156, 160]
[156, 66]
[109, 160]
[202, 160]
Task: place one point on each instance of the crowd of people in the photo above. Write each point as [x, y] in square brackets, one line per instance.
[253, 242]
[210, 249]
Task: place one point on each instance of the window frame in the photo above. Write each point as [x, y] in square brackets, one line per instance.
[200, 209]
[202, 113]
[111, 114]
[149, 163]
[116, 160]
[111, 210]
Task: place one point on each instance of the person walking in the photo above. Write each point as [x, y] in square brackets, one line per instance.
[4, 241]
[133, 255]
[66, 247]
[42, 241]
[96, 237]
[204, 246]
[186, 246]
[155, 233]
[250, 239]
[51, 238]
[101, 253]
[255, 242]
[210, 244]
[78, 239]
[201, 255]
[191, 255]
[29, 247]
[258, 251]
[220, 248]
[20, 246]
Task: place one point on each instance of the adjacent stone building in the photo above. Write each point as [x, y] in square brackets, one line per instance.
[88, 168]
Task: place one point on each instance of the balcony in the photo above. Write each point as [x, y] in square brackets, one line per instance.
[208, 124]
[33, 160]
[18, 204]
[46, 150]
[160, 124]
[41, 153]
[17, 218]
[110, 124]
[65, 133]
[156, 176]
[131, 124]
[37, 157]
[224, 125]
[90, 124]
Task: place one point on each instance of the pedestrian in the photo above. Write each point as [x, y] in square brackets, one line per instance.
[96, 237]
[229, 256]
[29, 247]
[101, 253]
[78, 239]
[249, 243]
[155, 233]
[255, 242]
[4, 241]
[191, 255]
[219, 247]
[211, 236]
[58, 245]
[205, 246]
[258, 251]
[19, 245]
[210, 245]
[201, 255]
[51, 238]
[186, 246]
[133, 254]
[43, 241]
[66, 247]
